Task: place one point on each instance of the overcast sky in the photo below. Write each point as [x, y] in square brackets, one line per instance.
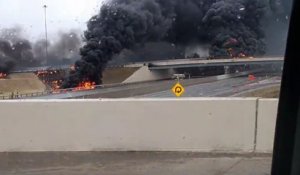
[62, 15]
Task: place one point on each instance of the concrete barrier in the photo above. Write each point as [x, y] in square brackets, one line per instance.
[191, 124]
[266, 121]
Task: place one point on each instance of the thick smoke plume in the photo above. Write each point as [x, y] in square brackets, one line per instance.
[229, 27]
[17, 51]
[65, 50]
[14, 49]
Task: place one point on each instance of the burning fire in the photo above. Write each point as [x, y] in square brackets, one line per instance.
[3, 75]
[231, 52]
[54, 79]
[87, 85]
[56, 84]
[82, 86]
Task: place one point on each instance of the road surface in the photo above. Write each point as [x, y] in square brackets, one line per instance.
[133, 163]
[127, 90]
[222, 88]
[199, 87]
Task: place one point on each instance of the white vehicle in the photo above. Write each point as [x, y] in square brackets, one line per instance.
[178, 76]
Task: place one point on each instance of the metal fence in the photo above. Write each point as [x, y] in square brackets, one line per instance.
[17, 95]
[24, 95]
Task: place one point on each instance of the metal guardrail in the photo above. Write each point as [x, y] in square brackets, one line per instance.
[23, 95]
[52, 92]
[215, 63]
[67, 66]
[48, 92]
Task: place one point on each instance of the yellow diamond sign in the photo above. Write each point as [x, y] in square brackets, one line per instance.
[178, 89]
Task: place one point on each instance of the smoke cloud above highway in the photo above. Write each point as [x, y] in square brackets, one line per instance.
[17, 51]
[228, 27]
[155, 29]
[14, 49]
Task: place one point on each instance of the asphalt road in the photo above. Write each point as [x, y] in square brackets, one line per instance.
[199, 87]
[127, 90]
[133, 163]
[222, 88]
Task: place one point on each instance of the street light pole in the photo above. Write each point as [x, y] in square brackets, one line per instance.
[46, 34]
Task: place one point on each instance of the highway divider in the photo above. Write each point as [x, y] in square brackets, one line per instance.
[226, 125]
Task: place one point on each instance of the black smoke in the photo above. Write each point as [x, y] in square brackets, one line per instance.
[228, 26]
[64, 50]
[14, 49]
[148, 52]
[17, 52]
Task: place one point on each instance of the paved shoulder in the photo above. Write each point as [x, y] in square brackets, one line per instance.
[133, 163]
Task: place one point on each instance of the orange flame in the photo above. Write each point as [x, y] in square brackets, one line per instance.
[87, 85]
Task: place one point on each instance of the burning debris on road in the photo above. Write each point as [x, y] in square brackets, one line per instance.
[229, 27]
[85, 86]
[54, 79]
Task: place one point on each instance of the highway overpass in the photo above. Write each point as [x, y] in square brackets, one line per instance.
[175, 63]
[189, 63]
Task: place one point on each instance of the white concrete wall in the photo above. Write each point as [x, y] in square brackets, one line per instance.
[200, 124]
[144, 74]
[266, 122]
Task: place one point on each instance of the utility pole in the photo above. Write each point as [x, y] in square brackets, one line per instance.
[46, 33]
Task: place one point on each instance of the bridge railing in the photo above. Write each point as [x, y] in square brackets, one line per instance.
[17, 95]
[24, 95]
